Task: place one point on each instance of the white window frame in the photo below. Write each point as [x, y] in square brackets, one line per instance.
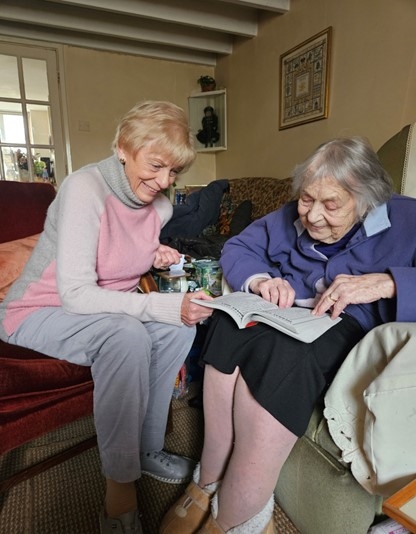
[53, 55]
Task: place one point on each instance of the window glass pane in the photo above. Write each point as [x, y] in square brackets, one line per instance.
[12, 128]
[39, 124]
[9, 79]
[36, 80]
[43, 165]
[15, 165]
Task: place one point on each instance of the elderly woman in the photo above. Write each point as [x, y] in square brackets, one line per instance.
[77, 300]
[346, 247]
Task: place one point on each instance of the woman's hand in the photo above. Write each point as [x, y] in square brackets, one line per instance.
[192, 313]
[275, 290]
[348, 289]
[165, 257]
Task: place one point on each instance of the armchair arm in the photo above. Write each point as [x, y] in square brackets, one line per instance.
[147, 283]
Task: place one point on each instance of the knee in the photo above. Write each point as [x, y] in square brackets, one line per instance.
[124, 334]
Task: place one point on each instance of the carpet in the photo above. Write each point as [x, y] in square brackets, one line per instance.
[67, 498]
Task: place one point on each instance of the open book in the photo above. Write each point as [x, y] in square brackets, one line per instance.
[246, 308]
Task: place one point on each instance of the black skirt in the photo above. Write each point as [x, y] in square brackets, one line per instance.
[284, 375]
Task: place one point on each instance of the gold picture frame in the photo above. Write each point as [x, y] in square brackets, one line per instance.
[401, 506]
[304, 81]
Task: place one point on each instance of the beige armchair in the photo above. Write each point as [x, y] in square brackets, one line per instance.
[317, 488]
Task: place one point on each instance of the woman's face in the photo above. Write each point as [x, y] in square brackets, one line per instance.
[326, 210]
[149, 172]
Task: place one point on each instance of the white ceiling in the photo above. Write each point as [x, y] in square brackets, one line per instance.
[196, 31]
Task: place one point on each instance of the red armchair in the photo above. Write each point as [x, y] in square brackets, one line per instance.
[37, 393]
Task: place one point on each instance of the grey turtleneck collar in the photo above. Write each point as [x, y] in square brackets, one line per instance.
[116, 179]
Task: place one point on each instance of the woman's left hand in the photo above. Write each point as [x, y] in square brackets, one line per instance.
[165, 257]
[192, 313]
[348, 289]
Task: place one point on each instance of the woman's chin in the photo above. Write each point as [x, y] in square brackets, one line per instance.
[320, 236]
[144, 194]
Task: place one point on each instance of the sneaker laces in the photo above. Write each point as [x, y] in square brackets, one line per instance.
[162, 456]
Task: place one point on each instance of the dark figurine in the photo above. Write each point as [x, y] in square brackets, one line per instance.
[209, 133]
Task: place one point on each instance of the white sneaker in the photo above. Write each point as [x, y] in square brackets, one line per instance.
[128, 523]
[167, 467]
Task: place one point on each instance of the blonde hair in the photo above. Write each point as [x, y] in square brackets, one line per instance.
[162, 124]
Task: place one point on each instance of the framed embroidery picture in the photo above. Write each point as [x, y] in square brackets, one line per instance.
[304, 81]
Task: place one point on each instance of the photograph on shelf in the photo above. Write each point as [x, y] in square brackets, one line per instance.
[304, 81]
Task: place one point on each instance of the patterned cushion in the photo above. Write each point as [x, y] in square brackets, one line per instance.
[227, 208]
[266, 194]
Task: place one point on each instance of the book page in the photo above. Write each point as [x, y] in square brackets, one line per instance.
[306, 331]
[296, 322]
[244, 303]
[239, 305]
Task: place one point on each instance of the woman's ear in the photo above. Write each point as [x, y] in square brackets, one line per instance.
[121, 156]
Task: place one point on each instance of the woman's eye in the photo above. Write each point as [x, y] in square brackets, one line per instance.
[331, 207]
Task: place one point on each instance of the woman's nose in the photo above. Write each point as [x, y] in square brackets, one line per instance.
[315, 212]
[163, 178]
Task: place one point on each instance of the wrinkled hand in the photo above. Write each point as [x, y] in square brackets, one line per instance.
[165, 257]
[348, 289]
[192, 313]
[275, 290]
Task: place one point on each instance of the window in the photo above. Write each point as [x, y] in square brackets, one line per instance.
[31, 136]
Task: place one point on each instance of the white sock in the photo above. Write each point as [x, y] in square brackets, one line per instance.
[209, 488]
[254, 525]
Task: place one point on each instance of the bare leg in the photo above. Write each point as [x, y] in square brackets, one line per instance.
[219, 432]
[120, 498]
[262, 445]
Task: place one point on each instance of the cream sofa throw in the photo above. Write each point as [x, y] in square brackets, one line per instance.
[371, 408]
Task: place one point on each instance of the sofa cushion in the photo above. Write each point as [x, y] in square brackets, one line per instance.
[13, 257]
[23, 207]
[234, 217]
[266, 194]
[241, 217]
[227, 208]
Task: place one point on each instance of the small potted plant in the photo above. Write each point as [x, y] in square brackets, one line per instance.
[207, 83]
[39, 165]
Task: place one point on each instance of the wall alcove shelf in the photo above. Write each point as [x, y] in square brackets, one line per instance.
[210, 132]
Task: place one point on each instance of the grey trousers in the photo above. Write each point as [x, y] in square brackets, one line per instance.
[133, 365]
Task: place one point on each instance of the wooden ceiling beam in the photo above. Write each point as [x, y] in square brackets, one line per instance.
[222, 17]
[112, 25]
[278, 6]
[23, 31]
[196, 31]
